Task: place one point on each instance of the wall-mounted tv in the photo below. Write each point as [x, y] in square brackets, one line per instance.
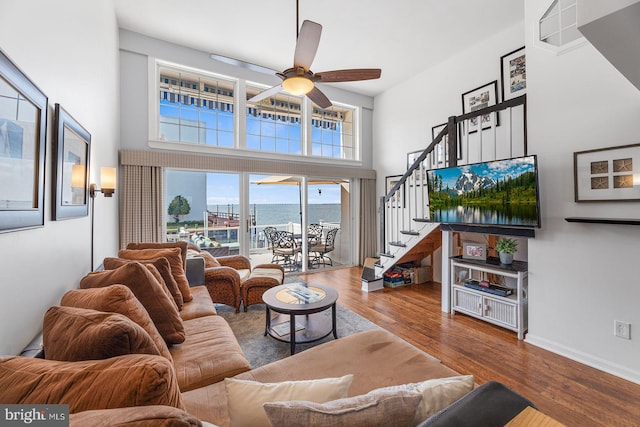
[497, 193]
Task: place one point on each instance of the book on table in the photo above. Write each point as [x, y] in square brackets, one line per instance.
[304, 294]
[284, 328]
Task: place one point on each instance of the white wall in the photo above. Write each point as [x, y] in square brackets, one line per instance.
[404, 115]
[68, 48]
[583, 276]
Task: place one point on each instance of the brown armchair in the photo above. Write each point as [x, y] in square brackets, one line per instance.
[234, 281]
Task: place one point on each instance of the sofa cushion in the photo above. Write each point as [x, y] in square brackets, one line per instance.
[209, 354]
[209, 260]
[244, 274]
[200, 306]
[246, 398]
[117, 299]
[146, 288]
[163, 267]
[71, 334]
[131, 380]
[272, 273]
[436, 394]
[392, 359]
[173, 255]
[374, 409]
[139, 416]
[164, 245]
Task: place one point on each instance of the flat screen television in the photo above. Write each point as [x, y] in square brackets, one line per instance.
[500, 193]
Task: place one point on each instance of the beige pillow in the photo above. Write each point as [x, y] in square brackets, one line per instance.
[436, 394]
[245, 398]
[380, 408]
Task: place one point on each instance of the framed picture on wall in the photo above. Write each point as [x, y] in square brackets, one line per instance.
[72, 148]
[607, 174]
[477, 99]
[390, 182]
[23, 129]
[514, 75]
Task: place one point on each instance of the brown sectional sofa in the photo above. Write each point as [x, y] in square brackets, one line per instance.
[186, 385]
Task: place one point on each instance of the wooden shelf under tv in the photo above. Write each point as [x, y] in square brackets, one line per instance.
[620, 221]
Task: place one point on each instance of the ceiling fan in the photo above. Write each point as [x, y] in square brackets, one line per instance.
[299, 79]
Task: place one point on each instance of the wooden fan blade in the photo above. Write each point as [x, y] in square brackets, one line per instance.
[349, 75]
[319, 98]
[307, 44]
[243, 64]
[266, 93]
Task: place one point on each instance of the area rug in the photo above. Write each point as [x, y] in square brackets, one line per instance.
[249, 330]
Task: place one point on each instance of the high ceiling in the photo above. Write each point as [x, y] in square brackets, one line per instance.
[402, 37]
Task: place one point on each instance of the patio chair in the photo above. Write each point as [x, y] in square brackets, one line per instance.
[270, 233]
[286, 249]
[314, 231]
[322, 249]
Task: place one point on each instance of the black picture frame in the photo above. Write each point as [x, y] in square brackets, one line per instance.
[435, 130]
[478, 98]
[607, 174]
[513, 74]
[22, 149]
[72, 151]
[389, 182]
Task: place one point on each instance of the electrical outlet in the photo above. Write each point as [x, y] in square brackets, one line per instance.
[622, 329]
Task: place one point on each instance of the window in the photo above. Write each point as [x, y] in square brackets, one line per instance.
[274, 124]
[198, 108]
[332, 132]
[195, 109]
[558, 25]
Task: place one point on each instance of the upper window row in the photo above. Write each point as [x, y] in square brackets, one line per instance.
[201, 109]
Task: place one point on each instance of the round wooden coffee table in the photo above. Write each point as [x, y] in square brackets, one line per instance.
[298, 306]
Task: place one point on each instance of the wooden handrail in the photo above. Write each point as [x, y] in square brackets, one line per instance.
[520, 100]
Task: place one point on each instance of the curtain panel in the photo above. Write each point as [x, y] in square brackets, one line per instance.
[368, 220]
[142, 204]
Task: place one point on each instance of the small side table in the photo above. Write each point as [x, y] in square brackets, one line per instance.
[301, 303]
[530, 417]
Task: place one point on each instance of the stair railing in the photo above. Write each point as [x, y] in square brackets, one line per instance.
[406, 202]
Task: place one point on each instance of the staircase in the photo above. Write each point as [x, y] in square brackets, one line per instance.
[406, 232]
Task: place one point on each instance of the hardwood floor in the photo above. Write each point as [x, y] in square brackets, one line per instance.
[572, 393]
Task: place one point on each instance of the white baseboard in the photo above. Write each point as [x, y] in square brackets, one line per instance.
[584, 358]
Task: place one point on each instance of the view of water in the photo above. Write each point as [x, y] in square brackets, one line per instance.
[267, 214]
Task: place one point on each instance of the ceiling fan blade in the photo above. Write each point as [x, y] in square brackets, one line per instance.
[352, 75]
[307, 44]
[319, 98]
[243, 64]
[266, 93]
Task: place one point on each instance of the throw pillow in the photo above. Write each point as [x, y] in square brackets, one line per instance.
[173, 255]
[117, 299]
[181, 245]
[139, 416]
[245, 398]
[436, 394]
[146, 288]
[123, 381]
[71, 334]
[376, 409]
[209, 260]
[163, 267]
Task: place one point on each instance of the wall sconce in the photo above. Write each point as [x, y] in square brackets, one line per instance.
[107, 182]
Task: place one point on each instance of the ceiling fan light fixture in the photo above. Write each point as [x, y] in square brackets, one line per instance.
[297, 85]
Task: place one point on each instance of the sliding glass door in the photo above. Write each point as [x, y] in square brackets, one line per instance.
[303, 224]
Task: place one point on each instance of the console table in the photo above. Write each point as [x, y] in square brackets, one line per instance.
[510, 311]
